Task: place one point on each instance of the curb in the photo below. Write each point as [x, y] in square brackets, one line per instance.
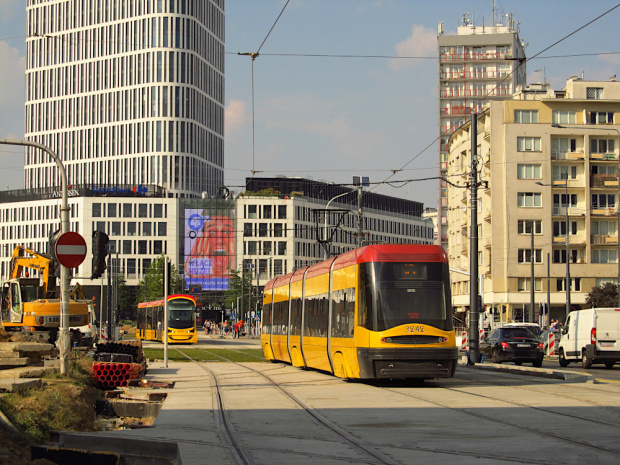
[547, 373]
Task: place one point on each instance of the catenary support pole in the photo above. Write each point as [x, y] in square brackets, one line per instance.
[474, 311]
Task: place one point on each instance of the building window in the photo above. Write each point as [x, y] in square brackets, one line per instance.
[604, 228]
[251, 247]
[146, 229]
[277, 230]
[559, 228]
[526, 116]
[116, 228]
[111, 210]
[604, 256]
[142, 250]
[525, 227]
[528, 172]
[560, 146]
[563, 201]
[127, 210]
[564, 117]
[559, 256]
[528, 144]
[131, 228]
[247, 229]
[162, 229]
[561, 173]
[602, 145]
[525, 284]
[575, 284]
[96, 210]
[525, 255]
[158, 247]
[601, 117]
[262, 230]
[529, 199]
[281, 247]
[252, 212]
[282, 212]
[127, 247]
[143, 210]
[601, 281]
[267, 211]
[594, 93]
[603, 201]
[158, 211]
[266, 248]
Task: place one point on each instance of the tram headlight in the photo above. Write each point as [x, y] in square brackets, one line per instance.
[442, 339]
[386, 339]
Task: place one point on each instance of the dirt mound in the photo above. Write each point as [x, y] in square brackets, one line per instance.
[28, 336]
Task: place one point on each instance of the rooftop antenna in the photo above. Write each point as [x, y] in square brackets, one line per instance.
[493, 18]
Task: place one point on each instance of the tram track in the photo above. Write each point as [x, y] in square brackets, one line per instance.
[565, 396]
[375, 457]
[365, 455]
[542, 431]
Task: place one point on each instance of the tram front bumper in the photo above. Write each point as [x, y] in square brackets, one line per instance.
[407, 362]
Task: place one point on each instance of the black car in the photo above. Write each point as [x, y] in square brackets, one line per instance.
[516, 345]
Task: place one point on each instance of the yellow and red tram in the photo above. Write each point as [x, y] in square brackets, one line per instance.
[181, 320]
[380, 311]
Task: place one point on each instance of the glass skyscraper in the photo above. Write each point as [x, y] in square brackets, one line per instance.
[127, 92]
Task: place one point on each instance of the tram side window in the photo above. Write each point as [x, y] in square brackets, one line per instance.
[266, 319]
[141, 323]
[365, 305]
[160, 317]
[315, 314]
[343, 313]
[295, 317]
[149, 318]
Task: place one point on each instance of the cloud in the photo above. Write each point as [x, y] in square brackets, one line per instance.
[421, 43]
[236, 116]
[13, 66]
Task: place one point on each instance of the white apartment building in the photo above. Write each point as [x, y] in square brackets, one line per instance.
[547, 156]
[126, 92]
[477, 65]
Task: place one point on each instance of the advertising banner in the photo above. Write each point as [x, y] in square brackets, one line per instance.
[209, 246]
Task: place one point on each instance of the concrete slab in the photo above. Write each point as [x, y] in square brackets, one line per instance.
[26, 372]
[19, 384]
[14, 362]
[564, 375]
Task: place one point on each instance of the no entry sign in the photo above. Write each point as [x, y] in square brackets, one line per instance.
[70, 249]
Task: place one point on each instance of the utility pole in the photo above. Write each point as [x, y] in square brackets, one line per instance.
[532, 259]
[474, 311]
[360, 218]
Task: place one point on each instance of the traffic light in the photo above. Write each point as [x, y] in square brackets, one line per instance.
[100, 251]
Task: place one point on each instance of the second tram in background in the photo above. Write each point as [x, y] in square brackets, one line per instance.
[181, 320]
[380, 311]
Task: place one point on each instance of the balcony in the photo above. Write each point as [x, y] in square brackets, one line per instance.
[610, 211]
[603, 239]
[603, 156]
[603, 180]
[572, 211]
[455, 110]
[452, 57]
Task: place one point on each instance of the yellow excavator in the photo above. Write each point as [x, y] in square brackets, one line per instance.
[33, 302]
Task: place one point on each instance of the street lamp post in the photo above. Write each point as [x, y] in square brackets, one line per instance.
[559, 126]
[326, 246]
[65, 279]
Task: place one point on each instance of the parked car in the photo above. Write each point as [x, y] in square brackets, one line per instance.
[513, 344]
[591, 336]
[534, 328]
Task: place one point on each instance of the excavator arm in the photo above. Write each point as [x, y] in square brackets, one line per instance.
[24, 257]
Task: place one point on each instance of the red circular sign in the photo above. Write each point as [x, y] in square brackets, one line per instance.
[70, 249]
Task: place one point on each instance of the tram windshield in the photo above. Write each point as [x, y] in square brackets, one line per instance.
[181, 314]
[395, 294]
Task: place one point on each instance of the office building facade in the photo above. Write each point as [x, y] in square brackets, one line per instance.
[126, 93]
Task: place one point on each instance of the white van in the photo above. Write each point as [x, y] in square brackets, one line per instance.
[591, 335]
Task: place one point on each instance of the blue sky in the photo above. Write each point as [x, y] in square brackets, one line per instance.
[333, 118]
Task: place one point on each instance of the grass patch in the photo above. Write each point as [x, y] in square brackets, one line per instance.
[210, 355]
[65, 403]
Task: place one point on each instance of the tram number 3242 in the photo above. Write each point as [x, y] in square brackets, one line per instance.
[414, 329]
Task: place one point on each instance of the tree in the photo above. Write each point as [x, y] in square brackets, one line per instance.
[605, 295]
[152, 286]
[234, 289]
[126, 300]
